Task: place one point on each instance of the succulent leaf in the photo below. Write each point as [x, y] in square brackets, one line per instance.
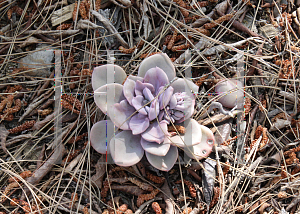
[101, 75]
[126, 149]
[158, 60]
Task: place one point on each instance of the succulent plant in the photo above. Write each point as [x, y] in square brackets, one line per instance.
[230, 95]
[140, 112]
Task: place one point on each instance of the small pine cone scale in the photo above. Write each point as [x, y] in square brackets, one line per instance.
[9, 13]
[77, 138]
[74, 14]
[180, 47]
[82, 10]
[154, 178]
[16, 108]
[23, 175]
[191, 187]
[10, 100]
[87, 6]
[127, 50]
[215, 197]
[7, 190]
[172, 40]
[64, 26]
[67, 105]
[7, 117]
[85, 72]
[45, 112]
[143, 56]
[146, 197]
[3, 104]
[98, 5]
[178, 128]
[72, 100]
[156, 208]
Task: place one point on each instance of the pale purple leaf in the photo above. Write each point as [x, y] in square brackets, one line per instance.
[231, 92]
[164, 97]
[164, 163]
[192, 136]
[153, 110]
[139, 87]
[156, 77]
[185, 85]
[139, 123]
[101, 134]
[173, 102]
[99, 76]
[126, 149]
[148, 94]
[157, 132]
[120, 114]
[187, 113]
[160, 60]
[155, 148]
[105, 102]
[128, 90]
[204, 148]
[161, 115]
[137, 103]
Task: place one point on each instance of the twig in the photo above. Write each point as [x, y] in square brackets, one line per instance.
[239, 26]
[33, 105]
[45, 168]
[110, 27]
[53, 32]
[46, 84]
[87, 24]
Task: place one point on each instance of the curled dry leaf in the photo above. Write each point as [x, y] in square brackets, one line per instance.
[100, 171]
[110, 27]
[3, 135]
[279, 124]
[208, 177]
[133, 190]
[38, 125]
[262, 207]
[55, 158]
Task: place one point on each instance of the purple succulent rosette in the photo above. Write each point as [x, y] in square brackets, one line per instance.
[140, 111]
